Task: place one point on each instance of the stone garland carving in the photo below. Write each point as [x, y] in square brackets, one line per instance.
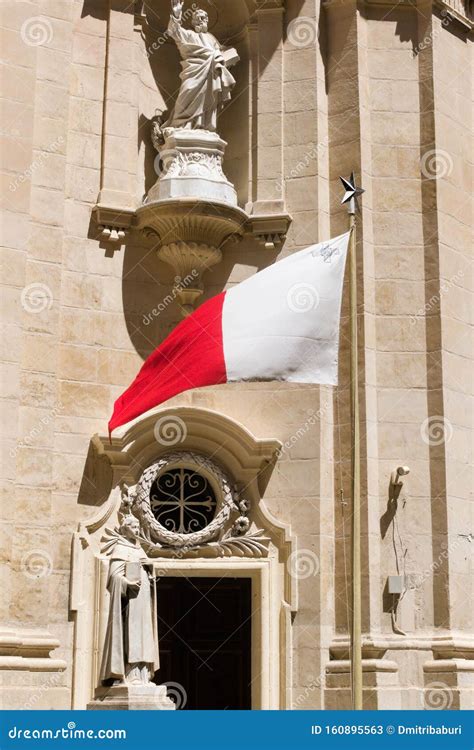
[249, 545]
[193, 163]
[155, 531]
[238, 540]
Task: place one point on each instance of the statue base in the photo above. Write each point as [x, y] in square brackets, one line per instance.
[189, 234]
[191, 167]
[126, 697]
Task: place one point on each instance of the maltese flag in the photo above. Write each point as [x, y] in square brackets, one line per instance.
[280, 324]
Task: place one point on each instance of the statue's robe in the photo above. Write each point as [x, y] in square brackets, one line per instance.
[132, 628]
[205, 81]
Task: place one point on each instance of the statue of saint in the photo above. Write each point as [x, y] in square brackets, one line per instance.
[205, 80]
[131, 642]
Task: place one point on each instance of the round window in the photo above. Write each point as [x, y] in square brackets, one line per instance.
[182, 500]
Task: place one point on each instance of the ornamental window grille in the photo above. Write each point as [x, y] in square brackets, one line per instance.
[183, 500]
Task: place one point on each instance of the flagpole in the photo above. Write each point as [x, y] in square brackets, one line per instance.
[356, 622]
[356, 635]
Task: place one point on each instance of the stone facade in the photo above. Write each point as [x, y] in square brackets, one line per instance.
[323, 88]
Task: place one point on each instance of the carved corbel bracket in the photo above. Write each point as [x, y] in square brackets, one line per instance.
[114, 224]
[269, 229]
[190, 234]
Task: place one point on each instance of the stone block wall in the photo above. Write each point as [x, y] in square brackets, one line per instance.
[345, 87]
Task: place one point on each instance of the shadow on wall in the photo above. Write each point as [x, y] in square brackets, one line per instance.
[96, 482]
[151, 308]
[96, 9]
[151, 160]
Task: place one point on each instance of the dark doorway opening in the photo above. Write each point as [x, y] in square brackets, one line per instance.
[204, 628]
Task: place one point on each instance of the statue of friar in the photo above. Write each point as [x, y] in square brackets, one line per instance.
[131, 642]
[205, 79]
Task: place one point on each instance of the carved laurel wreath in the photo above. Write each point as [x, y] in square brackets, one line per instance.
[155, 531]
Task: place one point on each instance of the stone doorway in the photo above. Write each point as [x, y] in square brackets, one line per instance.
[204, 627]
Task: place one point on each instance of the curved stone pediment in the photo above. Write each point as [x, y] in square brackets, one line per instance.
[136, 445]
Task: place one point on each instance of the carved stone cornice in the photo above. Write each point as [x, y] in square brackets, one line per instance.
[448, 646]
[133, 447]
[457, 10]
[29, 650]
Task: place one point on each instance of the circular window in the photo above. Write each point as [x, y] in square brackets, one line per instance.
[182, 500]
[183, 490]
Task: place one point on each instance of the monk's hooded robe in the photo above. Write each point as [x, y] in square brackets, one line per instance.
[205, 81]
[132, 628]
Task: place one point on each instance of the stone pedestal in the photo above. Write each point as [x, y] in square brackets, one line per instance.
[449, 684]
[189, 234]
[191, 167]
[191, 211]
[131, 698]
[381, 688]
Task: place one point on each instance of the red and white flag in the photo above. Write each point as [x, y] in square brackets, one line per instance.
[280, 324]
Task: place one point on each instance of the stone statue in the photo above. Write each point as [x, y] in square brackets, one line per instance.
[131, 643]
[205, 79]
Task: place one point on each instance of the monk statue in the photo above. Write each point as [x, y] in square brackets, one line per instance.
[205, 79]
[131, 642]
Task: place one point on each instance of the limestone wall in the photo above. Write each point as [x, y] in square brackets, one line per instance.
[368, 89]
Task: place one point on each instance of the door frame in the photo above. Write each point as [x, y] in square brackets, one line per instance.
[267, 655]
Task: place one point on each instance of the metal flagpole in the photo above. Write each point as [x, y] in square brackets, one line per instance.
[350, 198]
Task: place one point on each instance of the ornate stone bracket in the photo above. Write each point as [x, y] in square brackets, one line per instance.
[114, 225]
[190, 234]
[269, 229]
